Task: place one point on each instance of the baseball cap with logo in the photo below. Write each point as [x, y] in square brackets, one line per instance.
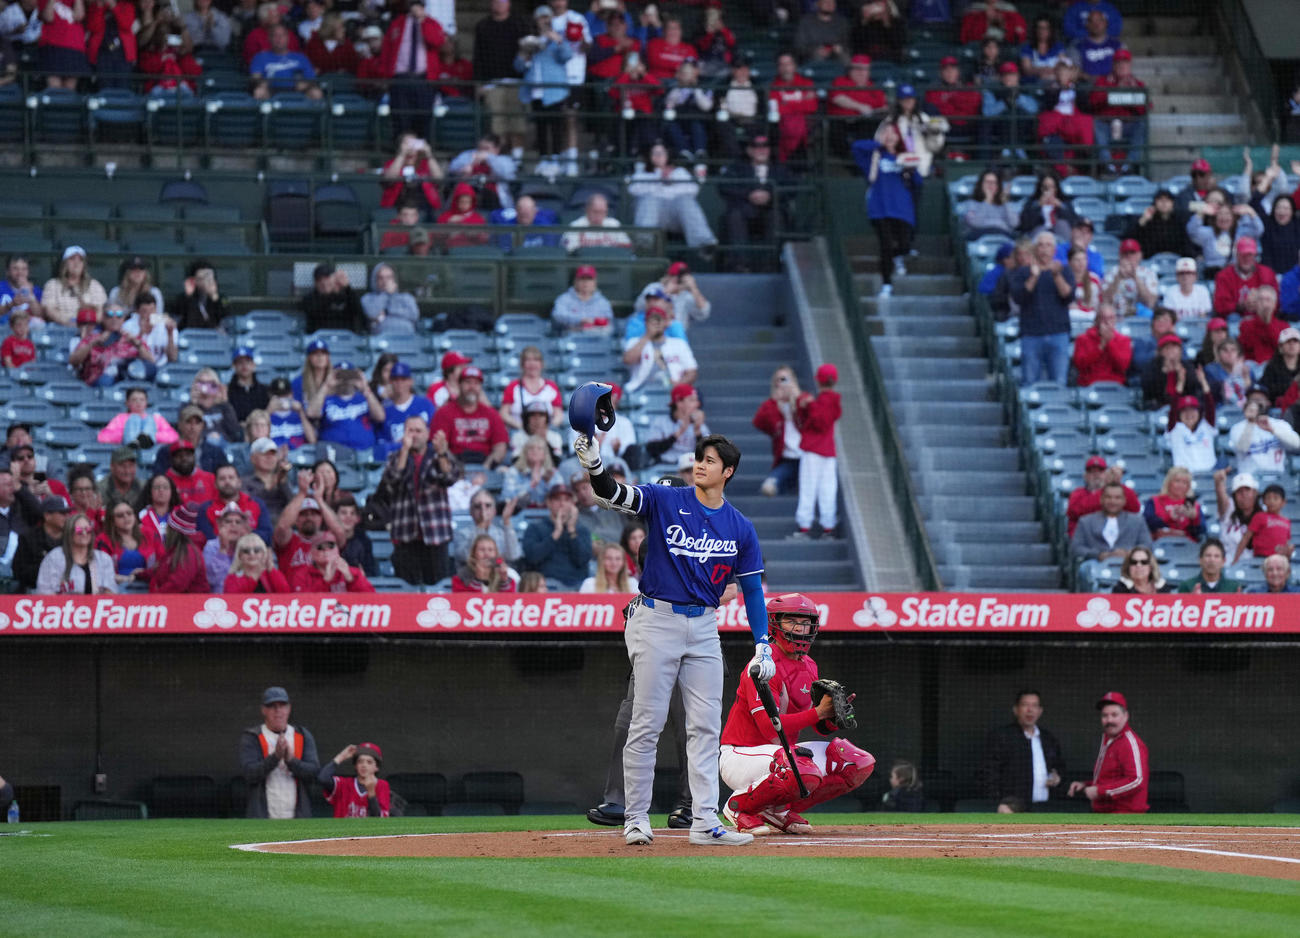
[55, 504]
[1130, 246]
[1094, 462]
[947, 60]
[124, 454]
[1247, 246]
[1188, 402]
[264, 445]
[453, 359]
[472, 373]
[180, 445]
[1216, 323]
[1290, 333]
[242, 351]
[1009, 68]
[1168, 338]
[680, 392]
[584, 272]
[369, 749]
[1184, 265]
[677, 268]
[87, 316]
[906, 91]
[400, 370]
[309, 504]
[74, 250]
[1123, 55]
[317, 345]
[685, 461]
[860, 60]
[559, 487]
[1244, 480]
[232, 508]
[1200, 166]
[1113, 697]
[280, 387]
[760, 140]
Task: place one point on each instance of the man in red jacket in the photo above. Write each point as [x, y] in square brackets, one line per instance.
[1260, 331]
[1234, 282]
[1102, 353]
[852, 95]
[1122, 771]
[1087, 498]
[796, 98]
[409, 56]
[819, 482]
[955, 101]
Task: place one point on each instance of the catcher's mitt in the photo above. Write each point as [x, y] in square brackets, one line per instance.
[841, 699]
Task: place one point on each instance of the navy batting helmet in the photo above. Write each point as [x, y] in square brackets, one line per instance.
[591, 406]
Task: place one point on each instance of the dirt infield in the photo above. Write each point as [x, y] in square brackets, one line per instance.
[1252, 851]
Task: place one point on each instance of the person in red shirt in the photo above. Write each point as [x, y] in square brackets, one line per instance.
[475, 431]
[1269, 531]
[409, 56]
[999, 18]
[1126, 118]
[453, 364]
[259, 37]
[405, 231]
[1087, 498]
[413, 171]
[1062, 122]
[119, 57]
[455, 68]
[1261, 331]
[179, 566]
[305, 516]
[635, 93]
[666, 54]
[818, 475]
[328, 572]
[62, 44]
[195, 485]
[1103, 353]
[852, 95]
[367, 795]
[610, 49]
[1235, 282]
[463, 211]
[329, 50]
[796, 98]
[956, 101]
[18, 348]
[176, 63]
[1122, 771]
[252, 571]
[752, 762]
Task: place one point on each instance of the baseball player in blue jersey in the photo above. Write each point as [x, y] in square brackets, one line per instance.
[695, 542]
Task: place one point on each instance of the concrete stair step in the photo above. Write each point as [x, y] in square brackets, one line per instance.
[983, 508]
[1202, 136]
[935, 245]
[784, 574]
[1176, 65]
[914, 284]
[1161, 26]
[921, 264]
[913, 369]
[1195, 122]
[992, 532]
[956, 413]
[1193, 104]
[1163, 46]
[913, 390]
[939, 346]
[975, 437]
[979, 552]
[997, 577]
[968, 482]
[922, 326]
[1173, 83]
[916, 305]
[958, 458]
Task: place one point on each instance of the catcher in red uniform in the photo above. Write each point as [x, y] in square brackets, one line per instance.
[766, 795]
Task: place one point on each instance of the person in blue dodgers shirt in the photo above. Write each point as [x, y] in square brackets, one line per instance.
[893, 176]
[402, 402]
[695, 542]
[347, 407]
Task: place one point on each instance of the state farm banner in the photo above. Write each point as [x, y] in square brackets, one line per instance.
[570, 613]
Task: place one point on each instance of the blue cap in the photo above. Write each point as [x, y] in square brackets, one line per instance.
[906, 91]
[317, 345]
[1004, 251]
[658, 291]
[243, 351]
[400, 370]
[344, 365]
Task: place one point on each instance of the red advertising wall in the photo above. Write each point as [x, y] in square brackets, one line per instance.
[416, 613]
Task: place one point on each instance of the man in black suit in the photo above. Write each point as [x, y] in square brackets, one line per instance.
[1023, 762]
[755, 208]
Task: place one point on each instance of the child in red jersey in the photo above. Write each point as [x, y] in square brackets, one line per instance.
[819, 481]
[1269, 531]
[367, 795]
[766, 794]
[18, 348]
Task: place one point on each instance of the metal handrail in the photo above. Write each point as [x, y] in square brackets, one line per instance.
[1239, 32]
[891, 447]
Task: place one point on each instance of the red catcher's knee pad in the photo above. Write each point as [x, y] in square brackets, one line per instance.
[779, 788]
[849, 763]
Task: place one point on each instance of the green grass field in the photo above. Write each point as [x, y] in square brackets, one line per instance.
[175, 878]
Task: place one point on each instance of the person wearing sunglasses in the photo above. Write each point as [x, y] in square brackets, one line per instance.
[75, 566]
[1140, 573]
[252, 571]
[328, 572]
[105, 352]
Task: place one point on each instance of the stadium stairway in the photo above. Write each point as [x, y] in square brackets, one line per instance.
[973, 491]
[748, 337]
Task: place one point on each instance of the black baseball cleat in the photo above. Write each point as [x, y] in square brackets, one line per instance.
[681, 817]
[607, 815]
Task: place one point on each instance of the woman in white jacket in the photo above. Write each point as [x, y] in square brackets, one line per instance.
[665, 198]
[1261, 442]
[75, 566]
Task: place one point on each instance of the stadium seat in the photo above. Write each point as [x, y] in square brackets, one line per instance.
[116, 115]
[503, 788]
[455, 129]
[1022, 187]
[13, 112]
[81, 210]
[352, 121]
[212, 213]
[183, 796]
[104, 809]
[60, 116]
[1166, 793]
[64, 434]
[338, 215]
[148, 212]
[12, 209]
[1133, 187]
[173, 122]
[184, 193]
[293, 121]
[233, 120]
[427, 789]
[466, 341]
[1092, 208]
[288, 212]
[95, 413]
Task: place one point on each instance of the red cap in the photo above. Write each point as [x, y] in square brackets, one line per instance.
[1167, 338]
[1123, 55]
[181, 444]
[369, 749]
[1095, 462]
[860, 60]
[1247, 246]
[87, 315]
[473, 372]
[1112, 697]
[654, 306]
[948, 60]
[1201, 166]
[1216, 323]
[681, 392]
[615, 392]
[1009, 68]
[677, 268]
[454, 359]
[1130, 246]
[827, 374]
[586, 270]
[1187, 402]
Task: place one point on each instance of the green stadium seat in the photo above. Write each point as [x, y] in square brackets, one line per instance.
[13, 112]
[211, 213]
[233, 120]
[147, 212]
[81, 210]
[11, 209]
[294, 122]
[175, 122]
[116, 115]
[351, 121]
[60, 116]
[183, 192]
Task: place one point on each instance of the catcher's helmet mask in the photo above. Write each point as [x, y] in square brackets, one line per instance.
[591, 408]
[787, 611]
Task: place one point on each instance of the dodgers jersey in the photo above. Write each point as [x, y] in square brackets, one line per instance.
[692, 550]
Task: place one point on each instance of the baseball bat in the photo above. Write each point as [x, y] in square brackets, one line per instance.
[769, 705]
